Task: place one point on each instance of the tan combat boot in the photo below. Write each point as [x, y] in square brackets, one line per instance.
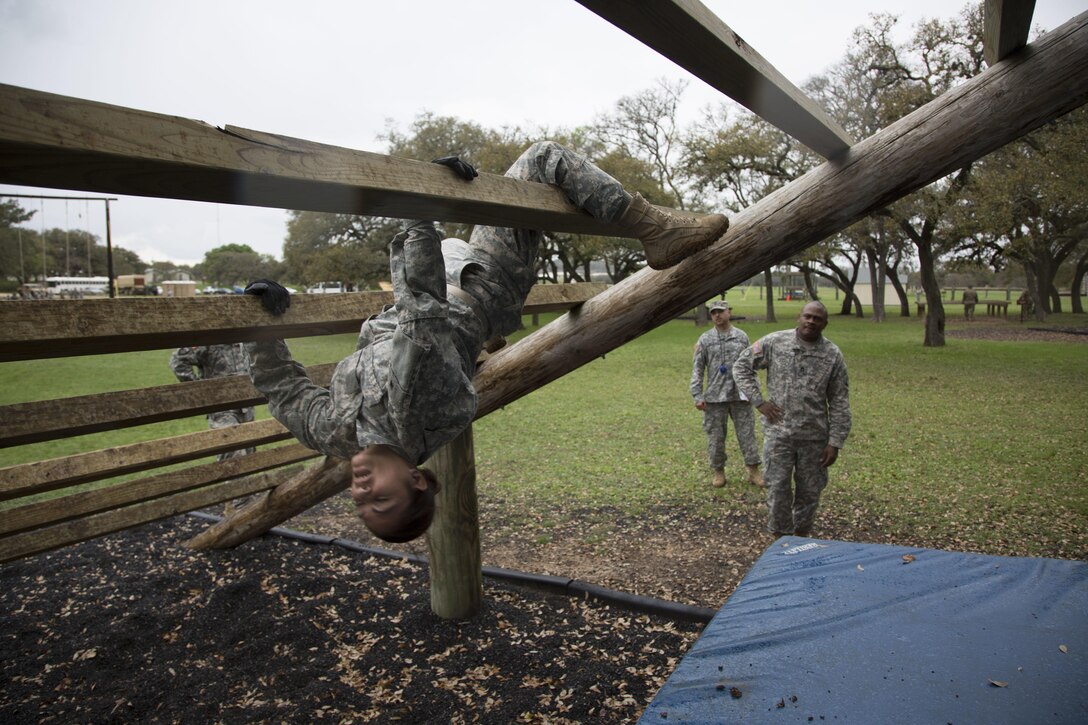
[719, 478]
[754, 476]
[667, 236]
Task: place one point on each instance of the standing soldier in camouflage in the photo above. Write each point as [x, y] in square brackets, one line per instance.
[407, 389]
[806, 415]
[216, 361]
[720, 400]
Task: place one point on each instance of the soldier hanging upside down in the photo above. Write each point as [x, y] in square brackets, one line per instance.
[407, 389]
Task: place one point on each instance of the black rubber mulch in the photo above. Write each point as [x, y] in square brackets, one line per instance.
[134, 627]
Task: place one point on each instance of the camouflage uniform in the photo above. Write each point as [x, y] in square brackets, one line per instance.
[809, 382]
[215, 361]
[408, 385]
[715, 353]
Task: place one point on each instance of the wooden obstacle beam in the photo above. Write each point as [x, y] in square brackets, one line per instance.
[28, 479]
[31, 329]
[687, 33]
[37, 527]
[22, 423]
[60, 142]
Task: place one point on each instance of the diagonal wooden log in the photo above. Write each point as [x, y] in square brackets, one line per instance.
[999, 105]
[312, 486]
[1037, 85]
[689, 34]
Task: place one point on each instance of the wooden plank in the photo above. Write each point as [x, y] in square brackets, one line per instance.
[60, 142]
[64, 508]
[454, 538]
[36, 541]
[42, 476]
[45, 420]
[32, 329]
[1006, 27]
[309, 487]
[689, 34]
[995, 107]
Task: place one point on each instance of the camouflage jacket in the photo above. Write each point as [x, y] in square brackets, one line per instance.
[714, 350]
[408, 384]
[210, 361]
[808, 381]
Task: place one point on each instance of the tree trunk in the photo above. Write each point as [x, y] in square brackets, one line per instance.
[892, 273]
[810, 284]
[768, 282]
[934, 306]
[1079, 271]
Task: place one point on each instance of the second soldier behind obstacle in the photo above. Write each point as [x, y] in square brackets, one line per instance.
[407, 390]
[717, 395]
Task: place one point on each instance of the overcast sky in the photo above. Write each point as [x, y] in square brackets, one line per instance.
[340, 72]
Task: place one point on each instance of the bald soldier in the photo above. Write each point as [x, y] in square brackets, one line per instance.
[806, 415]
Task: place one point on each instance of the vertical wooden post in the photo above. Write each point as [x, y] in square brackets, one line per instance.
[454, 537]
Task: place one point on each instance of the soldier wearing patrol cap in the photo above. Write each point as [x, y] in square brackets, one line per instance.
[717, 395]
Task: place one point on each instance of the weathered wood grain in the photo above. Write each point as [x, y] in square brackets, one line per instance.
[76, 505]
[61, 142]
[56, 473]
[32, 329]
[1005, 29]
[44, 420]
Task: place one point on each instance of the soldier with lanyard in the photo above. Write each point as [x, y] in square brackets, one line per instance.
[719, 398]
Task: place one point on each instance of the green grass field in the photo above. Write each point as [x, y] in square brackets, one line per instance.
[978, 445]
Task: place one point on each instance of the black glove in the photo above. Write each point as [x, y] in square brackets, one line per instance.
[461, 168]
[274, 297]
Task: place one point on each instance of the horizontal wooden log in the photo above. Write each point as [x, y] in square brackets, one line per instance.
[76, 505]
[303, 490]
[41, 476]
[1005, 28]
[32, 329]
[689, 34]
[1044, 81]
[60, 142]
[44, 420]
[36, 541]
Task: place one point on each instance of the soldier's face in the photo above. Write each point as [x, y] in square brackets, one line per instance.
[720, 317]
[811, 323]
[383, 488]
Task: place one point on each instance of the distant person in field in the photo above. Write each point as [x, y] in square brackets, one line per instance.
[1027, 305]
[806, 415]
[970, 299]
[716, 394]
[407, 389]
[216, 361]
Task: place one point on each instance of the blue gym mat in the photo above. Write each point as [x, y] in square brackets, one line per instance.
[830, 631]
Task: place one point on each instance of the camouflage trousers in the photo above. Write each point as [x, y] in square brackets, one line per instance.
[498, 266]
[226, 419]
[792, 504]
[716, 425]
